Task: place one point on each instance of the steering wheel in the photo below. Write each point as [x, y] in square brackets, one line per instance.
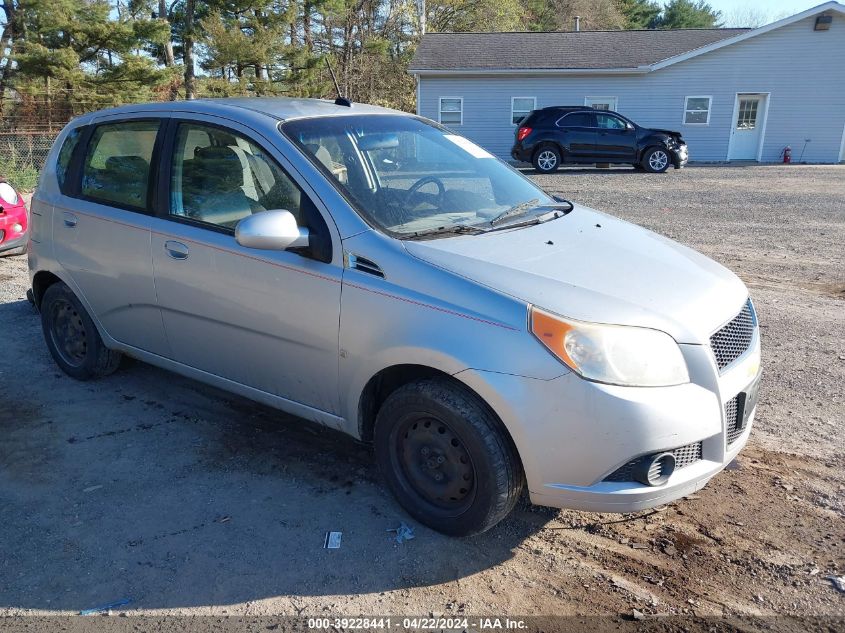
[422, 182]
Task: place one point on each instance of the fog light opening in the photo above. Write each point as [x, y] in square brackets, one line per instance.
[655, 470]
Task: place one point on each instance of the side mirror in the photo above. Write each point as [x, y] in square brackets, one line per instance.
[271, 231]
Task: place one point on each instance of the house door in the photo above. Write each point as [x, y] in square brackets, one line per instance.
[747, 133]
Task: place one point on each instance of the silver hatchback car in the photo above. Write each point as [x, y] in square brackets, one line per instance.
[372, 271]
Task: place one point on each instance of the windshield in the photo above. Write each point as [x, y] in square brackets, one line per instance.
[408, 176]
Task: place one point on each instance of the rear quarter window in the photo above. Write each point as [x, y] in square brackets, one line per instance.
[65, 154]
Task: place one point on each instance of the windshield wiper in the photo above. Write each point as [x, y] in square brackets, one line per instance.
[517, 209]
[554, 214]
[454, 229]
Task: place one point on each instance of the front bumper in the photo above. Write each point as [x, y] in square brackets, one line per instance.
[571, 434]
[680, 156]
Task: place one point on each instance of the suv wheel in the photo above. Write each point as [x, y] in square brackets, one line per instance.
[72, 337]
[656, 160]
[446, 457]
[547, 159]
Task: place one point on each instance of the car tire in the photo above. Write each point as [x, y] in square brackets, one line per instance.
[446, 457]
[656, 160]
[72, 338]
[546, 159]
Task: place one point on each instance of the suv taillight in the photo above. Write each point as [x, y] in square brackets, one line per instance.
[523, 132]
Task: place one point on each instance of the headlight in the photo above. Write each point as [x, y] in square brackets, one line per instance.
[613, 354]
[9, 195]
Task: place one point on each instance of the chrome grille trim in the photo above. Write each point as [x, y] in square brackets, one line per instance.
[734, 339]
[684, 456]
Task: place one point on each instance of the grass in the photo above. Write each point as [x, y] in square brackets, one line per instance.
[20, 173]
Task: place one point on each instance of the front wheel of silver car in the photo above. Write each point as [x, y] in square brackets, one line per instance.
[72, 337]
[656, 160]
[446, 457]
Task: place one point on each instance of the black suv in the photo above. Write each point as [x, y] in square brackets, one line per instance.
[577, 134]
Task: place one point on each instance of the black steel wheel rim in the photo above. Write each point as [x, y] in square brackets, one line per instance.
[68, 332]
[434, 463]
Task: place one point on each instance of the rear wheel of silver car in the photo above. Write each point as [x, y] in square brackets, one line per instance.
[547, 159]
[72, 337]
[656, 160]
[446, 457]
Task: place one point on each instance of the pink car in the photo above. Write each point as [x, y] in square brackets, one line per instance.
[13, 221]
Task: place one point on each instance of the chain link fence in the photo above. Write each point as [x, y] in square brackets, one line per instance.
[22, 156]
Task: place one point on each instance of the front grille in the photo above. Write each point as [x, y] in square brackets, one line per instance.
[734, 339]
[733, 421]
[684, 456]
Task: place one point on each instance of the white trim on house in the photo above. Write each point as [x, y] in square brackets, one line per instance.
[440, 110]
[533, 107]
[686, 109]
[765, 120]
[526, 72]
[842, 147]
[417, 80]
[827, 6]
[613, 102]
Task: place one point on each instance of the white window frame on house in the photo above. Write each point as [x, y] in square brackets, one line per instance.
[613, 102]
[440, 109]
[527, 112]
[687, 110]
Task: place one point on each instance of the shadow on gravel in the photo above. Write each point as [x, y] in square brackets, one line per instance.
[629, 171]
[152, 487]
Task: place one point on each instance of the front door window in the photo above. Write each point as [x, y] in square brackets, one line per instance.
[219, 178]
[747, 116]
[601, 103]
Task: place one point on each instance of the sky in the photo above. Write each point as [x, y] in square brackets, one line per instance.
[739, 12]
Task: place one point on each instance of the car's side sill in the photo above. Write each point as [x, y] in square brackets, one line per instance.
[277, 402]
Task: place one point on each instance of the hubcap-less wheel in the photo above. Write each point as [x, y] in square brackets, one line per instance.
[68, 333]
[658, 160]
[546, 160]
[435, 463]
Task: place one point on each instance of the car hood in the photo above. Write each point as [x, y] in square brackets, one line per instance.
[652, 130]
[593, 267]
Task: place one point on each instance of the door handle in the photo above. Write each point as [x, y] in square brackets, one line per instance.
[177, 250]
[70, 219]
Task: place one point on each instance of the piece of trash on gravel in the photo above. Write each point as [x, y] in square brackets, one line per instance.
[403, 533]
[838, 582]
[332, 540]
[106, 607]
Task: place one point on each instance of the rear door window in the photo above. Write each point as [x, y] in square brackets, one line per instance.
[576, 119]
[116, 170]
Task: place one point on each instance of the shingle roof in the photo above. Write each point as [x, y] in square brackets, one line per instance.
[587, 50]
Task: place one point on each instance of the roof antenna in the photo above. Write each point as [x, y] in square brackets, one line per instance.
[341, 100]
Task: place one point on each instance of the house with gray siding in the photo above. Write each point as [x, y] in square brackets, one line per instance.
[734, 94]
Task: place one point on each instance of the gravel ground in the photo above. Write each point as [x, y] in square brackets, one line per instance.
[188, 500]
